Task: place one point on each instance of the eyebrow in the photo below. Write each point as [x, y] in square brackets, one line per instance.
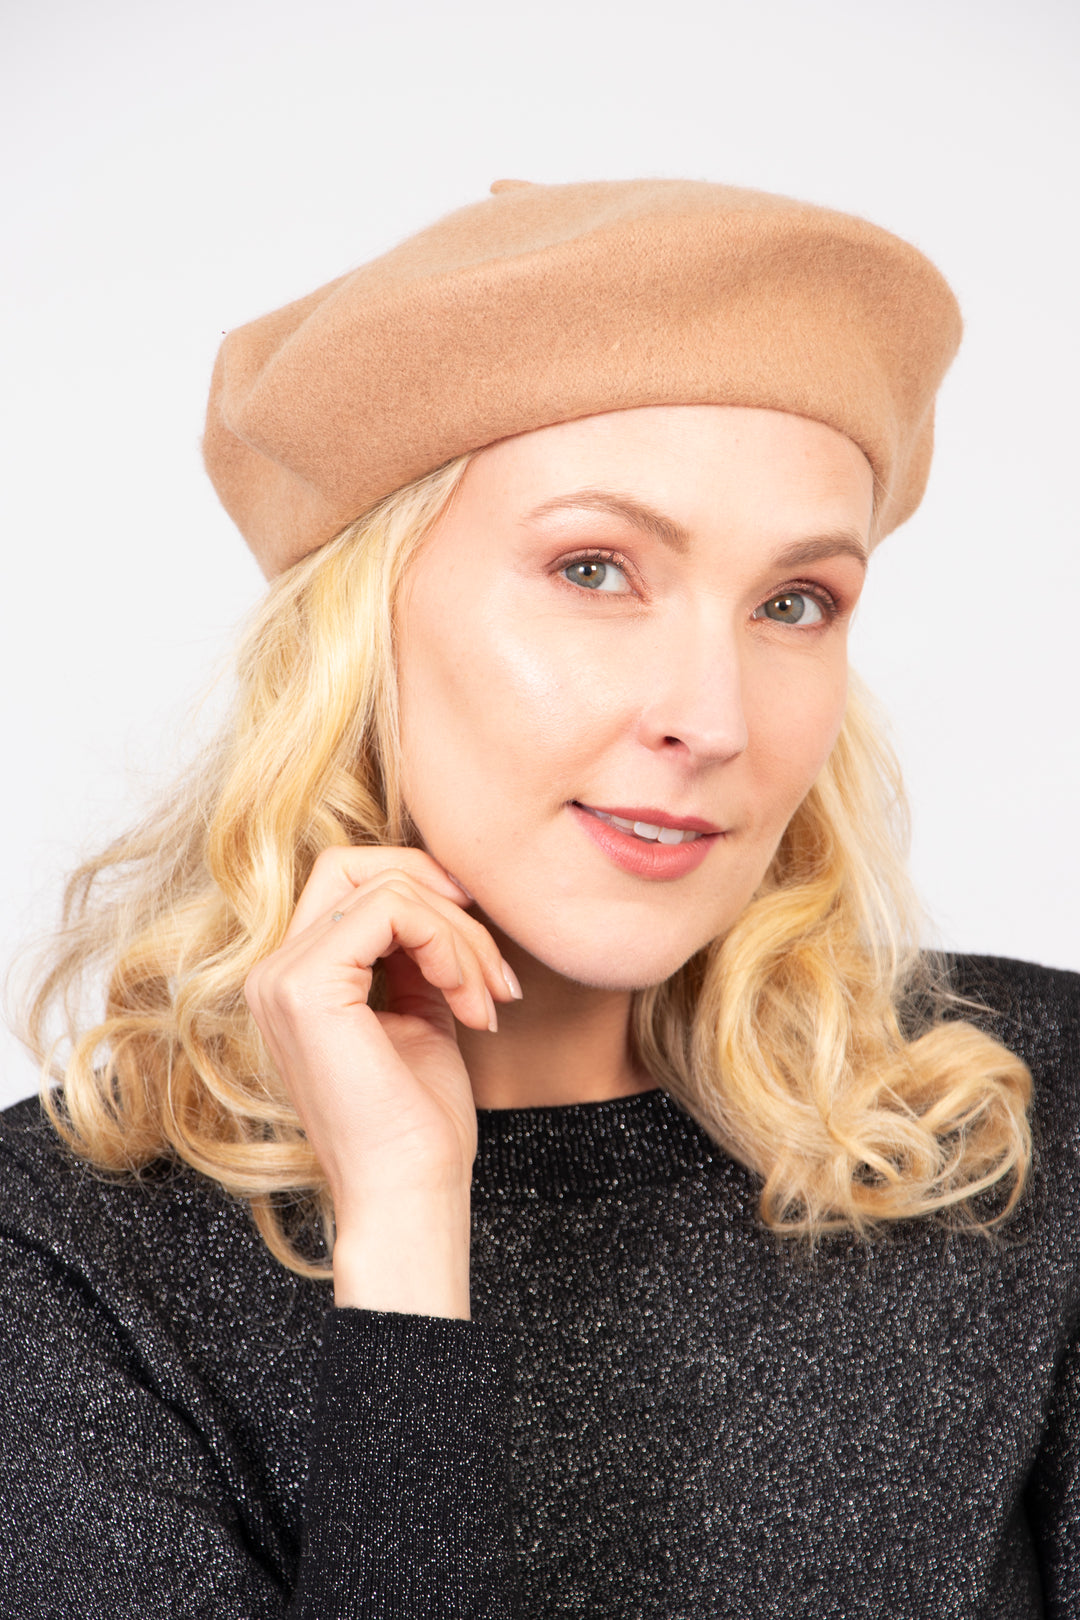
[840, 543]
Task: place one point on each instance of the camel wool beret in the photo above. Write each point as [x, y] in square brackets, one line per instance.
[543, 303]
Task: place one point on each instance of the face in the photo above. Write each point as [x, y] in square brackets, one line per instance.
[643, 614]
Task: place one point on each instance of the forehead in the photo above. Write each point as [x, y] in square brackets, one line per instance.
[696, 466]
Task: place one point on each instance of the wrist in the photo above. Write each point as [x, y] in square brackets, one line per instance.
[406, 1252]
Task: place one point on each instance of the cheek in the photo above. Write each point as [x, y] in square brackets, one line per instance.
[492, 709]
[794, 726]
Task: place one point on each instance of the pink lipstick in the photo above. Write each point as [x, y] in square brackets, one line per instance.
[647, 856]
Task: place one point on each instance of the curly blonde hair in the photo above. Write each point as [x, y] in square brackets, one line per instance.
[811, 1041]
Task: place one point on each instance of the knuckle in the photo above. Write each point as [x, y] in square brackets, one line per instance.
[393, 887]
[260, 977]
[418, 857]
[420, 865]
[395, 877]
[480, 940]
[330, 858]
[291, 995]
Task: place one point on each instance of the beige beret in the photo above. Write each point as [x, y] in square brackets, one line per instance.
[545, 303]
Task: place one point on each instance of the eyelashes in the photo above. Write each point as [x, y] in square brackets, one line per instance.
[602, 562]
[824, 600]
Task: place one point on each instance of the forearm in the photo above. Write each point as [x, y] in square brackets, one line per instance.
[408, 1491]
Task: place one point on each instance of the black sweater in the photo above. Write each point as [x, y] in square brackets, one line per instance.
[658, 1409]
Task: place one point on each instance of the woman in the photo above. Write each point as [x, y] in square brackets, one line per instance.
[643, 1225]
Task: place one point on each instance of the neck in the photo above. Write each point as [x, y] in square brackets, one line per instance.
[563, 1043]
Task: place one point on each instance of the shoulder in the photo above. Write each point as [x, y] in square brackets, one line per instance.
[1035, 1012]
[1031, 1009]
[44, 1186]
[42, 1183]
[156, 1241]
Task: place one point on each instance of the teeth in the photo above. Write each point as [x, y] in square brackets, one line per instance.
[645, 829]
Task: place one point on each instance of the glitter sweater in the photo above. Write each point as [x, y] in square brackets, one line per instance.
[658, 1408]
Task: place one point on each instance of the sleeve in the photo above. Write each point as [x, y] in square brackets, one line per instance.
[406, 1511]
[1053, 1493]
[116, 1506]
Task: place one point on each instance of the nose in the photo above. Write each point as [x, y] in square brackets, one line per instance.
[695, 702]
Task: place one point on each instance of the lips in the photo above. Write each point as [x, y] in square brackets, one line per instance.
[679, 854]
[650, 817]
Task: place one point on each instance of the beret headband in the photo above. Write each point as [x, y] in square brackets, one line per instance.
[545, 303]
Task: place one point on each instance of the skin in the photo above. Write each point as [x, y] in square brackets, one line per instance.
[682, 683]
[521, 691]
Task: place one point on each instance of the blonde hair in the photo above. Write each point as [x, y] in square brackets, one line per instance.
[809, 1041]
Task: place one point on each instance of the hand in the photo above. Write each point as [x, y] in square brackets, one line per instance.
[383, 1096]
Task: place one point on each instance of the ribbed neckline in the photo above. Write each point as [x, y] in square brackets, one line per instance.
[587, 1147]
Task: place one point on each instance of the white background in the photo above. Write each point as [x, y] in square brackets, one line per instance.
[174, 170]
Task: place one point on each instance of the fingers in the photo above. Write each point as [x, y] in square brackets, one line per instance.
[497, 971]
[329, 965]
[484, 977]
[338, 872]
[345, 873]
[409, 993]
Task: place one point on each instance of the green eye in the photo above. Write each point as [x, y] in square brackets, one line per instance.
[595, 574]
[793, 607]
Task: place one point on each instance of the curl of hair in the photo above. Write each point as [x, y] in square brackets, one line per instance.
[794, 1039]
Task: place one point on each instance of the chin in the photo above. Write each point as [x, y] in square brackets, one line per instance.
[618, 959]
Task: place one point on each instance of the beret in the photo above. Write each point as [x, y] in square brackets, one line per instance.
[543, 303]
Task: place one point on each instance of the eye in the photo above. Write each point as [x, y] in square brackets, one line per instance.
[793, 607]
[596, 573]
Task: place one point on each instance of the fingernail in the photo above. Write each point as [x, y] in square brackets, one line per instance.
[511, 980]
[493, 1022]
[461, 886]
